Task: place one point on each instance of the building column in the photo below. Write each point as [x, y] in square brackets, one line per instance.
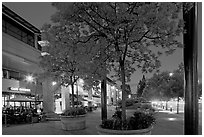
[65, 98]
[90, 94]
[114, 96]
[48, 96]
[103, 100]
[109, 94]
[36, 40]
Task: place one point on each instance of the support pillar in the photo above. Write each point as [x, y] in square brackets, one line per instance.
[190, 66]
[90, 94]
[103, 100]
[48, 96]
[114, 96]
[65, 91]
[36, 41]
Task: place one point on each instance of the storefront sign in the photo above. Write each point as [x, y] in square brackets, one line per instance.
[19, 89]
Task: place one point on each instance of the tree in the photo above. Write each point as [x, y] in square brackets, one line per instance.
[127, 31]
[127, 89]
[158, 87]
[166, 86]
[177, 84]
[65, 59]
[141, 87]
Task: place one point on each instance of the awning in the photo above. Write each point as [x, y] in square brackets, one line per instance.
[17, 92]
[21, 99]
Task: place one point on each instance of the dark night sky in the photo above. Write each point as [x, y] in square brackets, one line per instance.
[38, 13]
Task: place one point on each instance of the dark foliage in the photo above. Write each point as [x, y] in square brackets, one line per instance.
[140, 120]
[74, 112]
[141, 87]
[132, 101]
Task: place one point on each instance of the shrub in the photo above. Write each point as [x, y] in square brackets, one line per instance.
[74, 112]
[114, 123]
[132, 101]
[139, 120]
[147, 107]
[117, 114]
[107, 124]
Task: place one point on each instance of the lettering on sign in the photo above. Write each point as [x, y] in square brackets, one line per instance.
[19, 89]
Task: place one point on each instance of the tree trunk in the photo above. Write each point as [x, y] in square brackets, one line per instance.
[72, 87]
[178, 105]
[103, 100]
[123, 92]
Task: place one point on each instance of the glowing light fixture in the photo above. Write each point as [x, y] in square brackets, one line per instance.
[43, 43]
[171, 119]
[113, 87]
[171, 74]
[54, 83]
[29, 78]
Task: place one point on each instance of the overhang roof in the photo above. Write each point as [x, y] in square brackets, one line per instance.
[20, 20]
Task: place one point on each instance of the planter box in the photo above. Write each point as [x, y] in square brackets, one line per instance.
[73, 123]
[102, 131]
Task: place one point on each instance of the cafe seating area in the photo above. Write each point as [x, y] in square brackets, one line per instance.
[20, 115]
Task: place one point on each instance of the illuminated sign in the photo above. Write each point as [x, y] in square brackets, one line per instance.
[19, 89]
[24, 89]
[11, 88]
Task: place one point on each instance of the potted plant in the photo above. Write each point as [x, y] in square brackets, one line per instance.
[140, 123]
[73, 119]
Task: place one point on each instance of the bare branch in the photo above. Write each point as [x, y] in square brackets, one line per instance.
[133, 8]
[157, 37]
[139, 38]
[100, 15]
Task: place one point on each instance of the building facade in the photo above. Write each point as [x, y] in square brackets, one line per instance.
[20, 57]
[21, 51]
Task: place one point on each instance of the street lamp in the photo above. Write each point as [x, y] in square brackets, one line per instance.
[171, 74]
[30, 78]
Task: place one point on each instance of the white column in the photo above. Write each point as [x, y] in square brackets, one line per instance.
[65, 98]
[48, 96]
[109, 94]
[90, 94]
[36, 40]
[114, 95]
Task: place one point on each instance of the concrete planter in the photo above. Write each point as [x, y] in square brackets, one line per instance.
[102, 131]
[73, 123]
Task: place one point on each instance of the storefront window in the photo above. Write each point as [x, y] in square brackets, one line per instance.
[5, 73]
[12, 28]
[13, 75]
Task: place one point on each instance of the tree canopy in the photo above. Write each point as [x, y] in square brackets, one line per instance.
[124, 35]
[164, 86]
[127, 31]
